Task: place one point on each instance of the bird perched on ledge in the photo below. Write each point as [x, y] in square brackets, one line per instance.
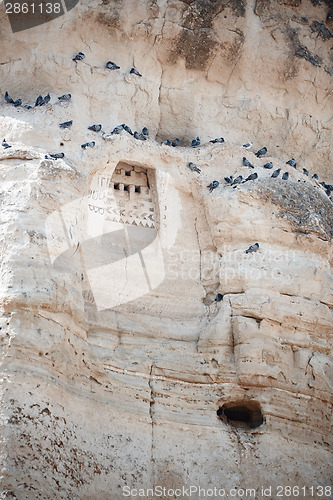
[175, 143]
[236, 181]
[276, 173]
[79, 56]
[213, 185]
[246, 163]
[8, 98]
[219, 139]
[140, 137]
[261, 152]
[193, 167]
[55, 156]
[195, 142]
[125, 127]
[66, 124]
[88, 145]
[251, 177]
[291, 162]
[252, 248]
[111, 65]
[117, 129]
[64, 97]
[95, 128]
[135, 72]
[5, 144]
[40, 101]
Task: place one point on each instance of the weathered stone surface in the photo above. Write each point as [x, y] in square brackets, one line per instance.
[116, 356]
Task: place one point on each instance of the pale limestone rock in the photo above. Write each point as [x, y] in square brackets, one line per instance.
[114, 364]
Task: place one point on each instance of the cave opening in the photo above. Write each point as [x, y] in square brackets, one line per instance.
[244, 414]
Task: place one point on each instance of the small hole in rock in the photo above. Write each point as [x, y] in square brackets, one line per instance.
[137, 189]
[116, 186]
[241, 414]
[126, 188]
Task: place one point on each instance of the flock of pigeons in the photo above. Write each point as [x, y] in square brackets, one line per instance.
[144, 134]
[240, 180]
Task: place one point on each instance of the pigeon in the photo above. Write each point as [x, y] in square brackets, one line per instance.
[322, 184]
[88, 145]
[213, 185]
[8, 98]
[111, 65]
[95, 128]
[135, 72]
[66, 124]
[126, 127]
[138, 136]
[238, 180]
[246, 163]
[195, 142]
[193, 167]
[291, 162]
[285, 176]
[268, 165]
[228, 180]
[252, 177]
[327, 191]
[167, 142]
[252, 248]
[247, 145]
[55, 156]
[117, 129]
[305, 171]
[17, 103]
[175, 143]
[145, 131]
[5, 144]
[26, 106]
[261, 152]
[219, 297]
[79, 56]
[65, 97]
[47, 99]
[39, 101]
[329, 186]
[219, 139]
[276, 173]
[315, 176]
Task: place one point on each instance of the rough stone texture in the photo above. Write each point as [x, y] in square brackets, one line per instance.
[98, 391]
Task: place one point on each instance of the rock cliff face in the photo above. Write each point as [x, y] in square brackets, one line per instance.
[120, 368]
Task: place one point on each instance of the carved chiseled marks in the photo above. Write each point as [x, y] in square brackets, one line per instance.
[127, 197]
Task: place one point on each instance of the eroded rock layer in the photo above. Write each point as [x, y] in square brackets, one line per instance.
[120, 365]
